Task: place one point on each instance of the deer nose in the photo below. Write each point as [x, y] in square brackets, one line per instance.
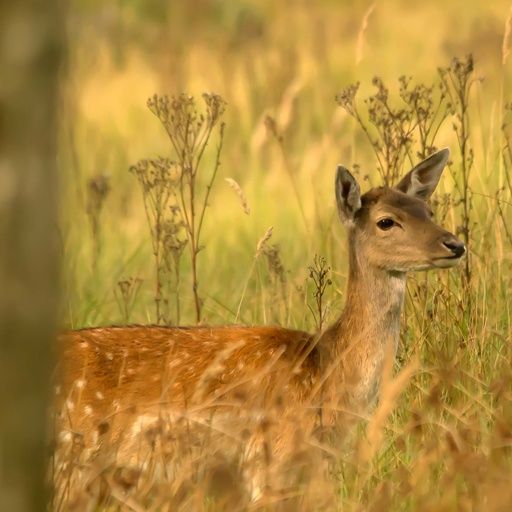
[454, 245]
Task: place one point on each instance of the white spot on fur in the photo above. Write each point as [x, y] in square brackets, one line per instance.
[56, 390]
[80, 383]
[143, 422]
[65, 436]
[70, 405]
[99, 395]
[109, 356]
[84, 344]
[88, 410]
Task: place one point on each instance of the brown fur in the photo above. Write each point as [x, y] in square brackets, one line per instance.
[120, 373]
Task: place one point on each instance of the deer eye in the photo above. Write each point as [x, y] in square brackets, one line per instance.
[385, 224]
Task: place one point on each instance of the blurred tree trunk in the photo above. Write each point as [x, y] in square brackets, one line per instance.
[30, 52]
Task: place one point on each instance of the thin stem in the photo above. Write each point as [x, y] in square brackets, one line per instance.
[210, 184]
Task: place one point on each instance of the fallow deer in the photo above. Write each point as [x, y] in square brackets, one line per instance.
[122, 379]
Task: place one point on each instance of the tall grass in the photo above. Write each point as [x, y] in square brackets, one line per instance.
[441, 437]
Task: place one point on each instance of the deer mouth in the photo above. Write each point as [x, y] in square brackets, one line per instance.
[447, 261]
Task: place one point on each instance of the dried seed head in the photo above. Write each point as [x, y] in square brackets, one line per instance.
[240, 193]
[263, 240]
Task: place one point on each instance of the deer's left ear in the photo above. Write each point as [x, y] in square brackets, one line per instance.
[422, 180]
[348, 195]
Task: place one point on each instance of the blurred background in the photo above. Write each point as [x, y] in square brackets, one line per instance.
[278, 65]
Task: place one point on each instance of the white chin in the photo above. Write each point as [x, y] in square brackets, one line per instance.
[422, 266]
[445, 262]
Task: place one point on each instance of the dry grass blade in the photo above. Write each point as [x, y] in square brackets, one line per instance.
[362, 32]
[216, 367]
[505, 46]
[259, 249]
[126, 501]
[284, 116]
[390, 392]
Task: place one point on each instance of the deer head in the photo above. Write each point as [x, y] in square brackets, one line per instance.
[392, 228]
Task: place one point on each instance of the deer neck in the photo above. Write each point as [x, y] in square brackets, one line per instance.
[368, 329]
[374, 301]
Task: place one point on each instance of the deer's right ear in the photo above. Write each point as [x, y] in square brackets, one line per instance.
[422, 180]
[348, 195]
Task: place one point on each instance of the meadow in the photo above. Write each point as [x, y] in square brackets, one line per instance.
[265, 245]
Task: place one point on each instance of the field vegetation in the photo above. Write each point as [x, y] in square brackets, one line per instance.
[198, 143]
